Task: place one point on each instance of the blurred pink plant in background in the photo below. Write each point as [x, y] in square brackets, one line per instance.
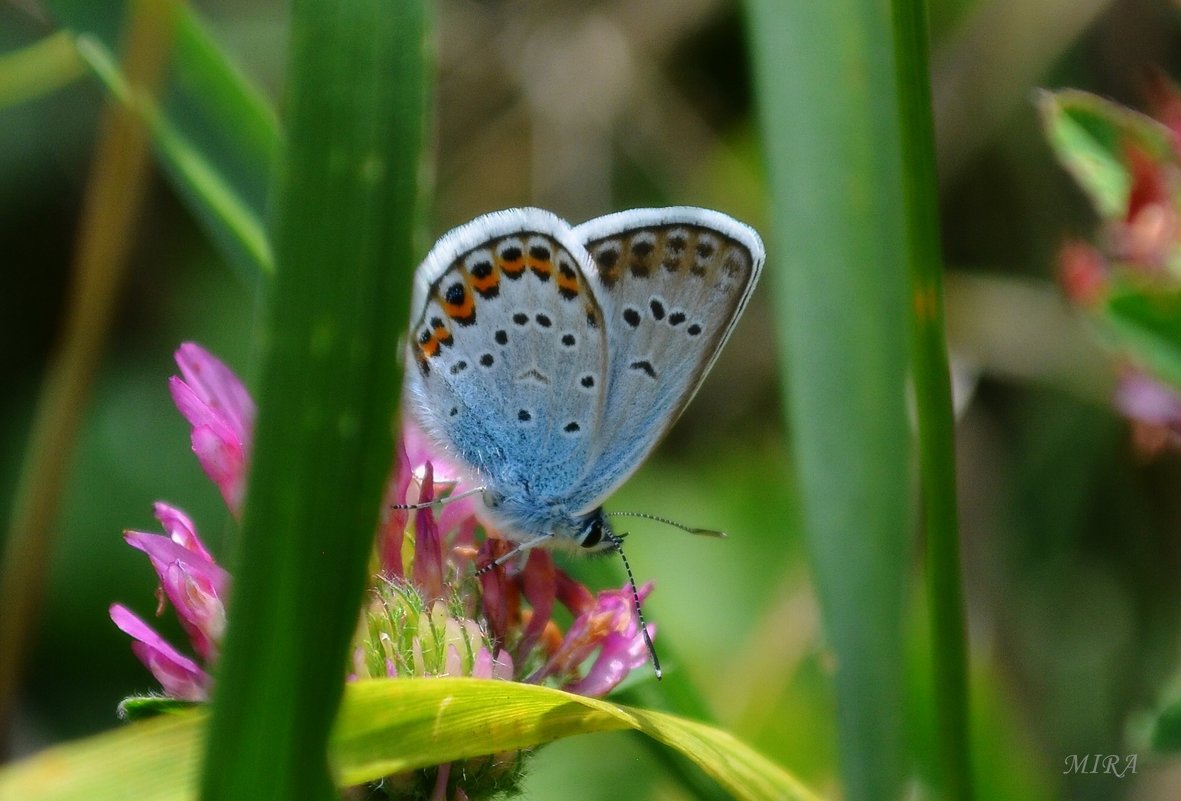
[1140, 246]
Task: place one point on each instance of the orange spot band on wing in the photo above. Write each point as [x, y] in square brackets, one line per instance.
[513, 267]
[568, 285]
[462, 309]
[543, 269]
[487, 284]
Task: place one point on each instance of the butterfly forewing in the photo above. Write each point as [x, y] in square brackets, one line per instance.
[510, 353]
[671, 284]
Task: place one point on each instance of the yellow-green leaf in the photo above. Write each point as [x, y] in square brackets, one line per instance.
[389, 726]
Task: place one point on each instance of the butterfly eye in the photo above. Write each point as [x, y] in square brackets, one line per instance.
[593, 533]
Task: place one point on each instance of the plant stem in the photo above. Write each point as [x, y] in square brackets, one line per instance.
[932, 387]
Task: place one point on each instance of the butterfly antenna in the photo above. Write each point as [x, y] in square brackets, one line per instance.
[704, 532]
[617, 541]
[409, 507]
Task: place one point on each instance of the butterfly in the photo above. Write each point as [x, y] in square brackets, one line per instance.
[548, 360]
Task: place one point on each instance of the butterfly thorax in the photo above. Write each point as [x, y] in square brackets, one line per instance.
[521, 518]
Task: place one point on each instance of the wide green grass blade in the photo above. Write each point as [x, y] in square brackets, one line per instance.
[214, 135]
[389, 726]
[825, 82]
[933, 407]
[346, 197]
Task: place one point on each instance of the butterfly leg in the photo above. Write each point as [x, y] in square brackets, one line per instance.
[521, 548]
[409, 507]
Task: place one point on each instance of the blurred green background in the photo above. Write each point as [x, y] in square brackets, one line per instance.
[1070, 538]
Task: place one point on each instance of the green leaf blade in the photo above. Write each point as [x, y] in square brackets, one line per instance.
[389, 726]
[38, 69]
[346, 199]
[825, 84]
[214, 134]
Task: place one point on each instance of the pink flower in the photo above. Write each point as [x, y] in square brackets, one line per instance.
[196, 587]
[178, 675]
[189, 577]
[428, 614]
[610, 628]
[221, 412]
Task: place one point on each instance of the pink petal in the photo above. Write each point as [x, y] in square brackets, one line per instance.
[193, 584]
[392, 531]
[452, 662]
[487, 666]
[420, 450]
[538, 580]
[428, 548]
[494, 589]
[178, 675]
[163, 552]
[502, 666]
[221, 413]
[224, 461]
[1143, 398]
[180, 528]
[221, 390]
[482, 664]
[620, 655]
[613, 615]
[573, 595]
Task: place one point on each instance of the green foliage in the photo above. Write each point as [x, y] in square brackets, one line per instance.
[214, 135]
[837, 230]
[1091, 138]
[1139, 309]
[346, 199]
[1166, 731]
[142, 707]
[38, 69]
[838, 271]
[1146, 323]
[390, 727]
[935, 419]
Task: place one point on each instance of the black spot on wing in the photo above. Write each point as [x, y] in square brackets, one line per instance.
[644, 366]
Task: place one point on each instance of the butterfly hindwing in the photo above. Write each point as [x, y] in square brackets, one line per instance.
[671, 284]
[510, 351]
